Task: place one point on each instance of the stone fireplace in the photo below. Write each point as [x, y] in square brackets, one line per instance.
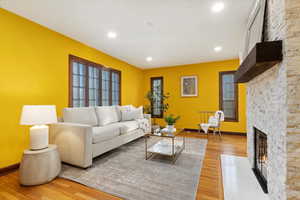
[273, 104]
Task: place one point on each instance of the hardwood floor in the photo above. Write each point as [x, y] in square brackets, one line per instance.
[210, 186]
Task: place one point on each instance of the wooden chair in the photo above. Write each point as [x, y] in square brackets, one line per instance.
[211, 120]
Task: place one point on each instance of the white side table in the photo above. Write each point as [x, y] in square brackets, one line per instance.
[39, 166]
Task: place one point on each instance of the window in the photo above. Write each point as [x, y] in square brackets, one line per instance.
[157, 92]
[229, 96]
[92, 84]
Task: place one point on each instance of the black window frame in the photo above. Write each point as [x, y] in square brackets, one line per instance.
[152, 79]
[236, 96]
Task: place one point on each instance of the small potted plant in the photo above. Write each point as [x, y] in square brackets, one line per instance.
[171, 120]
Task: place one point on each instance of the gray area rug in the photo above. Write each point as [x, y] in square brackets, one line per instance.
[125, 173]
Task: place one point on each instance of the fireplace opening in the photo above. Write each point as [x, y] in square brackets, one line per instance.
[261, 158]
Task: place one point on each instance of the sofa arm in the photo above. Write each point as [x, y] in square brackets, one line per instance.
[74, 142]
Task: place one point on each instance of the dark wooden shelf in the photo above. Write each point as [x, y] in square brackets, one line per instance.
[261, 58]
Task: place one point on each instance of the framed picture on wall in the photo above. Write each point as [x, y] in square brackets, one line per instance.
[189, 86]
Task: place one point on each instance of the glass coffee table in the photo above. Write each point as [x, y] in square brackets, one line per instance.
[169, 144]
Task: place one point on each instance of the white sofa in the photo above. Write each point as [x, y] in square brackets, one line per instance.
[88, 132]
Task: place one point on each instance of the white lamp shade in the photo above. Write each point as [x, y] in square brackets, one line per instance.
[38, 115]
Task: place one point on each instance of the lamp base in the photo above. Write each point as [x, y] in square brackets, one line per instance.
[39, 137]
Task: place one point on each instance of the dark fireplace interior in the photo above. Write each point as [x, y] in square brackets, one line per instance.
[260, 158]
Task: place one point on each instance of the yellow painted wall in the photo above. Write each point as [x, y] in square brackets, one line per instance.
[34, 70]
[208, 97]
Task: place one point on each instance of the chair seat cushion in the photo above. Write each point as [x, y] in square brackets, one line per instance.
[128, 126]
[104, 133]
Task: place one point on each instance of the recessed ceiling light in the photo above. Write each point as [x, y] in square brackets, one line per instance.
[217, 7]
[111, 34]
[149, 59]
[218, 49]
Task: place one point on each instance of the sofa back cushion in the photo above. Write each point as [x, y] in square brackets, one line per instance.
[107, 115]
[82, 115]
[133, 114]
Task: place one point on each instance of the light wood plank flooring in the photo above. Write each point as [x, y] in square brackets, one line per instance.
[210, 186]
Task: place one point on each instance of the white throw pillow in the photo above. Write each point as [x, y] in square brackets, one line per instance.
[82, 115]
[133, 114]
[123, 108]
[139, 112]
[107, 115]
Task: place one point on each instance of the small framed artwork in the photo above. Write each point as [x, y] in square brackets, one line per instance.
[189, 86]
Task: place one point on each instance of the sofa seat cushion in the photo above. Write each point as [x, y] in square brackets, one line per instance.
[128, 126]
[103, 133]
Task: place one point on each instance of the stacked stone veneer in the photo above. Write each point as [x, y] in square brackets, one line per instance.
[293, 98]
[273, 103]
[266, 110]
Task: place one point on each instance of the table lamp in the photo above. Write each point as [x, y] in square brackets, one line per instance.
[38, 116]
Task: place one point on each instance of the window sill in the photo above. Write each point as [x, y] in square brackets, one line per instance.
[157, 117]
[231, 120]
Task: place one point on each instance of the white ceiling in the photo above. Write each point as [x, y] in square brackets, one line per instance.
[173, 32]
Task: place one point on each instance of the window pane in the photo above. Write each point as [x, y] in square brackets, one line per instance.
[93, 86]
[92, 103]
[96, 73]
[81, 93]
[228, 87]
[81, 103]
[91, 94]
[81, 69]
[91, 83]
[82, 81]
[75, 93]
[75, 103]
[105, 87]
[228, 96]
[115, 88]
[229, 109]
[78, 84]
[105, 103]
[75, 68]
[91, 72]
[156, 85]
[75, 80]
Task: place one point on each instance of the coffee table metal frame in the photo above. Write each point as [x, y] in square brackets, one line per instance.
[172, 136]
